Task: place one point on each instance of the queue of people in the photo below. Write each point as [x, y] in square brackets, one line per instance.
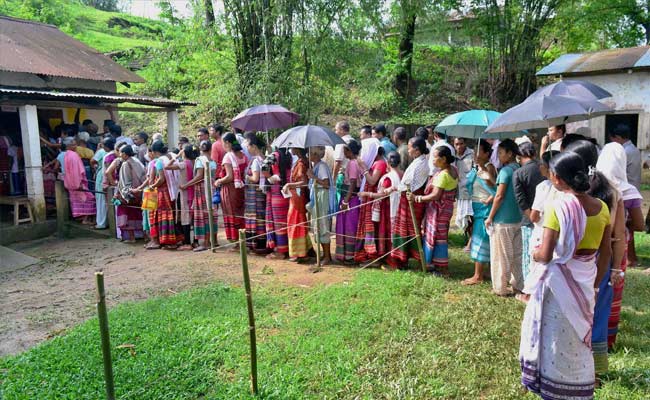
[552, 230]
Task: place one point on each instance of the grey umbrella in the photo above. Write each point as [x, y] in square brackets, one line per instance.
[304, 136]
[544, 111]
[583, 90]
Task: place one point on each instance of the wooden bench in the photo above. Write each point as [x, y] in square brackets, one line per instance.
[18, 201]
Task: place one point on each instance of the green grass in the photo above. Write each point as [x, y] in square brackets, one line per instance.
[379, 336]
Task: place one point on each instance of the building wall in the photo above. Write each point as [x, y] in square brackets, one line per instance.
[630, 94]
[32, 81]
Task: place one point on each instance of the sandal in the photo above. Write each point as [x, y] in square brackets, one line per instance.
[185, 247]
[199, 249]
[152, 246]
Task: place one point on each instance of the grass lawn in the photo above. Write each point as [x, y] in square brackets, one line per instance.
[383, 335]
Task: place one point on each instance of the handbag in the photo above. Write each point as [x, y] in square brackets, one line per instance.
[216, 196]
[150, 199]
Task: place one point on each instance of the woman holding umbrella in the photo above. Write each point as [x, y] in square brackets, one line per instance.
[297, 229]
[232, 186]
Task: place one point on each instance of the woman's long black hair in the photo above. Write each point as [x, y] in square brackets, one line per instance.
[599, 185]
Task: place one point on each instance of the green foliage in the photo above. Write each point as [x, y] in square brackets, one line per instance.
[104, 5]
[379, 335]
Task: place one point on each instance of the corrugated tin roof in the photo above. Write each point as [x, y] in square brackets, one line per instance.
[602, 61]
[37, 48]
[88, 98]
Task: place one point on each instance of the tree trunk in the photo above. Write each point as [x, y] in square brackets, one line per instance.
[404, 77]
[209, 13]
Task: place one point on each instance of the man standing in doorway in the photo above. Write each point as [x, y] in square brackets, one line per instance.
[621, 134]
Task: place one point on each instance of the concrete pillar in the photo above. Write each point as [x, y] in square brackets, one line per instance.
[33, 163]
[173, 128]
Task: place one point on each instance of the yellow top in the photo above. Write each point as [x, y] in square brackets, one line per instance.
[593, 231]
[84, 152]
[445, 181]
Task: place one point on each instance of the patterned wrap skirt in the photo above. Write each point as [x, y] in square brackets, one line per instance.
[384, 240]
[403, 231]
[129, 220]
[324, 222]
[277, 208]
[480, 248]
[601, 316]
[617, 301]
[526, 233]
[346, 230]
[200, 216]
[436, 233]
[255, 218]
[163, 225]
[233, 206]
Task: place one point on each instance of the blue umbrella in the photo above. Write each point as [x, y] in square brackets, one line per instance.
[472, 124]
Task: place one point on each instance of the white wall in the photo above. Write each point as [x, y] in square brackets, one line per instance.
[630, 94]
[31, 81]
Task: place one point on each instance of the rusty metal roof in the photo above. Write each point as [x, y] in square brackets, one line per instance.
[36, 48]
[87, 98]
[605, 61]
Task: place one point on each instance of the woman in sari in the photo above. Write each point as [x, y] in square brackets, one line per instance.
[611, 163]
[231, 182]
[415, 181]
[297, 229]
[323, 191]
[82, 202]
[555, 349]
[348, 220]
[162, 220]
[384, 211]
[255, 212]
[441, 195]
[185, 166]
[366, 246]
[201, 201]
[481, 182]
[276, 171]
[128, 215]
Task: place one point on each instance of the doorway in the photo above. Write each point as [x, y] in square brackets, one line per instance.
[631, 120]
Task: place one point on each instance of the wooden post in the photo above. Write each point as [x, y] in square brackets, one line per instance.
[106, 341]
[110, 211]
[207, 181]
[416, 228]
[251, 315]
[62, 209]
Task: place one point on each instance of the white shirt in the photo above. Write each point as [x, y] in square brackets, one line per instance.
[337, 154]
[633, 166]
[439, 143]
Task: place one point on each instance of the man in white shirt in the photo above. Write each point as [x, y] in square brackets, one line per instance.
[342, 129]
[621, 134]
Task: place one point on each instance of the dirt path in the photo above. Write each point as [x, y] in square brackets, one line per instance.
[43, 300]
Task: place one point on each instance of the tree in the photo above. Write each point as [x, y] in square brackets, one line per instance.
[209, 12]
[105, 5]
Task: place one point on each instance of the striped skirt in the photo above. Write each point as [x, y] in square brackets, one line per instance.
[276, 220]
[480, 248]
[436, 233]
[233, 205]
[403, 231]
[366, 247]
[346, 231]
[129, 220]
[200, 216]
[384, 225]
[298, 229]
[163, 225]
[255, 215]
[617, 302]
[82, 203]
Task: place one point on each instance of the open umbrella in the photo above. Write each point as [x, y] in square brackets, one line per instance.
[264, 118]
[304, 136]
[471, 124]
[545, 111]
[582, 90]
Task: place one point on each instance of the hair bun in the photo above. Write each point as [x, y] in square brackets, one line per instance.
[581, 181]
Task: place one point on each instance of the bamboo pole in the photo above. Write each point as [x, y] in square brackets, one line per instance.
[207, 181]
[416, 228]
[251, 315]
[106, 341]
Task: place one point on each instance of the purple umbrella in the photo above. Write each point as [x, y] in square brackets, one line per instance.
[264, 118]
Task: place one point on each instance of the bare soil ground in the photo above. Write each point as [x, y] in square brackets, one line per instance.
[43, 300]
